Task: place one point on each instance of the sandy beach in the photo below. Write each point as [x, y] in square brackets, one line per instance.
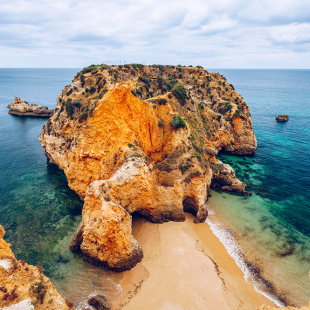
[185, 266]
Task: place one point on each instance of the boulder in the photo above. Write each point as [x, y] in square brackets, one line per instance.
[100, 302]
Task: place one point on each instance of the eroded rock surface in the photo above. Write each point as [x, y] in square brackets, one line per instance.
[22, 108]
[124, 150]
[24, 286]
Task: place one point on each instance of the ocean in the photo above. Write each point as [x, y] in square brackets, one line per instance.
[267, 233]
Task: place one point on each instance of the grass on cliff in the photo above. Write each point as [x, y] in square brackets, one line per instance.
[180, 93]
[177, 122]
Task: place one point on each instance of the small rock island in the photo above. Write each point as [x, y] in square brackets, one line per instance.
[22, 108]
[282, 118]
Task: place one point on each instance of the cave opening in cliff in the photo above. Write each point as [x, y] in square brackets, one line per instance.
[190, 206]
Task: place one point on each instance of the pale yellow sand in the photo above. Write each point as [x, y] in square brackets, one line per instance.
[184, 267]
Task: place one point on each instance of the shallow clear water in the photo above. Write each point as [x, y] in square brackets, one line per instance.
[37, 209]
[272, 226]
[40, 213]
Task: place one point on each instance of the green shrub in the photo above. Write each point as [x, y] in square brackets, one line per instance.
[102, 93]
[127, 66]
[139, 92]
[82, 79]
[89, 69]
[133, 71]
[86, 90]
[193, 102]
[220, 82]
[148, 96]
[217, 167]
[92, 90]
[184, 168]
[162, 101]
[198, 156]
[226, 108]
[201, 105]
[145, 80]
[169, 86]
[94, 72]
[164, 89]
[69, 107]
[219, 117]
[160, 79]
[180, 93]
[98, 80]
[77, 103]
[180, 75]
[69, 92]
[83, 116]
[160, 123]
[177, 122]
[232, 86]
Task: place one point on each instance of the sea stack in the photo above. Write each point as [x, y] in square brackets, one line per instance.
[22, 108]
[144, 139]
[282, 118]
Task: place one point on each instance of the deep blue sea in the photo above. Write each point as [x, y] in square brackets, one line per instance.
[269, 230]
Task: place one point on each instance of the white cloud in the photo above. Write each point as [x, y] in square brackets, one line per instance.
[222, 33]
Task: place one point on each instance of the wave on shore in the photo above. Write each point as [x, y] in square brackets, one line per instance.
[226, 237]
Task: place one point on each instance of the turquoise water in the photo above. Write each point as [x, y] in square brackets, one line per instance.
[40, 213]
[37, 209]
[273, 226]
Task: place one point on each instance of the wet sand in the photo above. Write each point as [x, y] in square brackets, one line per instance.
[185, 266]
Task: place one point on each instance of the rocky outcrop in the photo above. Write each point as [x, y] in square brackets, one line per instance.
[22, 108]
[264, 307]
[23, 286]
[282, 118]
[127, 144]
[100, 302]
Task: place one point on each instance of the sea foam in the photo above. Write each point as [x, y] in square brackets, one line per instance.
[224, 234]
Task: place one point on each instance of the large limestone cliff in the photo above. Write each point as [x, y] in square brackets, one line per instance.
[129, 141]
[24, 287]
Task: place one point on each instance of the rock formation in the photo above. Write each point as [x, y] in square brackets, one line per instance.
[144, 139]
[282, 118]
[22, 108]
[23, 286]
[100, 302]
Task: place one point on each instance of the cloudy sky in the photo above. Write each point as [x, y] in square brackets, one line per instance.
[214, 34]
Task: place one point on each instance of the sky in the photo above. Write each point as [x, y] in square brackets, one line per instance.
[214, 34]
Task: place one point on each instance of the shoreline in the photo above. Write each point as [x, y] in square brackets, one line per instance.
[185, 266]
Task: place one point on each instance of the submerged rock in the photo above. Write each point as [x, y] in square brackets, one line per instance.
[282, 118]
[24, 286]
[22, 108]
[100, 302]
[124, 152]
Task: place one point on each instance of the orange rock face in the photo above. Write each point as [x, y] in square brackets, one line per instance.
[23, 286]
[155, 157]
